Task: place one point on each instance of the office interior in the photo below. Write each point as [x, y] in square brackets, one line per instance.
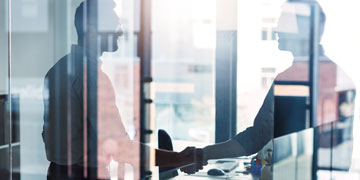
[200, 70]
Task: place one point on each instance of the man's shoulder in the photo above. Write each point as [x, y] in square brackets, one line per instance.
[58, 65]
[63, 65]
[299, 71]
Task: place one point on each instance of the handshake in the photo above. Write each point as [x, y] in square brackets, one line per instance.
[194, 159]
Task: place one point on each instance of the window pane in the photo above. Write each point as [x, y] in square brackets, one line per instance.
[290, 60]
[4, 92]
[264, 35]
[183, 55]
[76, 79]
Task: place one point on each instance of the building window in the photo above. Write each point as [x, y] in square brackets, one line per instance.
[264, 35]
[273, 35]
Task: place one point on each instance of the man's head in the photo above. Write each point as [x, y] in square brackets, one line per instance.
[101, 23]
[294, 26]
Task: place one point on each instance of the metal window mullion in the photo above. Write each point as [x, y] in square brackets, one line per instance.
[92, 95]
[314, 64]
[225, 85]
[144, 53]
[9, 87]
[314, 81]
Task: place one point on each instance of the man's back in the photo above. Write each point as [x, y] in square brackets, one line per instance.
[65, 100]
[63, 110]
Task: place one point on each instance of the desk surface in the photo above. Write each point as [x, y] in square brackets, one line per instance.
[212, 164]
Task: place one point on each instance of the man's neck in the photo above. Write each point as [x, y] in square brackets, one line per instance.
[296, 53]
[95, 53]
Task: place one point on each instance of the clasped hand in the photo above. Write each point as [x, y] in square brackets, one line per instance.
[196, 158]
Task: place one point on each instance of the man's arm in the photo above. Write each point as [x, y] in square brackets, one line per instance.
[249, 141]
[227, 149]
[167, 158]
[252, 139]
[257, 136]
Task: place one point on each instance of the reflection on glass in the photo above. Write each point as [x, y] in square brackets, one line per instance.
[75, 82]
[9, 104]
[183, 55]
[292, 90]
[284, 157]
[305, 141]
[293, 156]
[72, 122]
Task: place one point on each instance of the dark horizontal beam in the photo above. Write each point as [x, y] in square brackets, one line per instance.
[296, 83]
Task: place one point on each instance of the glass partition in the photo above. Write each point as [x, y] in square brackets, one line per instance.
[183, 57]
[4, 91]
[284, 46]
[65, 53]
[182, 89]
[293, 155]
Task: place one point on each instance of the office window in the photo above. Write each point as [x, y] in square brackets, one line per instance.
[259, 59]
[68, 100]
[273, 35]
[49, 100]
[264, 34]
[183, 56]
[276, 49]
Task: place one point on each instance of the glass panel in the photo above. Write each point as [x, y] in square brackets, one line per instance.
[4, 92]
[259, 59]
[285, 157]
[345, 131]
[73, 106]
[77, 87]
[293, 156]
[32, 51]
[183, 56]
[342, 135]
[286, 64]
[304, 155]
[122, 67]
[4, 36]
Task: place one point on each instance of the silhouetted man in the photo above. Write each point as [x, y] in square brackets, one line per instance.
[66, 115]
[293, 30]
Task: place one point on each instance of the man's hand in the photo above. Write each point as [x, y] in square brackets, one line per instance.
[196, 157]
